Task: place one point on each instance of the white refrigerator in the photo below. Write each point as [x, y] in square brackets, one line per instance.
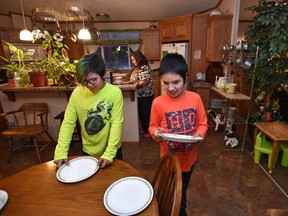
[180, 48]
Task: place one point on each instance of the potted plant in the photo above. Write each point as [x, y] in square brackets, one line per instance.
[269, 32]
[17, 69]
[57, 65]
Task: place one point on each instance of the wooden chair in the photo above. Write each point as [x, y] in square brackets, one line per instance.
[31, 120]
[167, 184]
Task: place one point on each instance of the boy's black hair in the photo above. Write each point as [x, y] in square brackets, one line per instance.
[174, 63]
[90, 63]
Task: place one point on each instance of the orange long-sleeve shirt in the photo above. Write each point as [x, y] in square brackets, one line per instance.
[185, 115]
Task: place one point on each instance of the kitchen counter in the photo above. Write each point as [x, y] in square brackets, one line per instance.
[57, 99]
[9, 91]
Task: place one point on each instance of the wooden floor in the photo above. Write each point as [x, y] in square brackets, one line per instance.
[222, 184]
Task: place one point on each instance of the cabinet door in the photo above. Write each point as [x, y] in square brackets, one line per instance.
[176, 29]
[218, 34]
[205, 95]
[182, 30]
[166, 31]
[151, 44]
[157, 86]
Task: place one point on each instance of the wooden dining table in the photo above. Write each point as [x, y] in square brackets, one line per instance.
[37, 191]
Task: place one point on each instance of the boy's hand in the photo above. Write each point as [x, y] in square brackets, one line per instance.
[156, 134]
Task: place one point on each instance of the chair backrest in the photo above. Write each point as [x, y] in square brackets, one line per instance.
[260, 139]
[34, 109]
[167, 184]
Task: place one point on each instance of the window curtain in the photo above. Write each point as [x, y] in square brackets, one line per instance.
[114, 36]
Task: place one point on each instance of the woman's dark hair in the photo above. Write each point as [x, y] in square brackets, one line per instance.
[140, 58]
[174, 63]
[90, 63]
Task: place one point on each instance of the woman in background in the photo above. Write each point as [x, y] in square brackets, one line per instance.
[141, 74]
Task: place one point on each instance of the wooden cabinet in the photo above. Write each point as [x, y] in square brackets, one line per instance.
[198, 42]
[151, 44]
[203, 89]
[156, 82]
[176, 29]
[218, 34]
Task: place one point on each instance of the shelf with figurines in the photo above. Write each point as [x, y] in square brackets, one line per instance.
[230, 111]
[228, 124]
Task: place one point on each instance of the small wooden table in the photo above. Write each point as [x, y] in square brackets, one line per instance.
[36, 191]
[276, 131]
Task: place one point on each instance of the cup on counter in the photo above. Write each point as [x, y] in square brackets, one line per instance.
[230, 88]
[118, 80]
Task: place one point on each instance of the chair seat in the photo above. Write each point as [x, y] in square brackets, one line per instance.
[31, 119]
[266, 147]
[25, 130]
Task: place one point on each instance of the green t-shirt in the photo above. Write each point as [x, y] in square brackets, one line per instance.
[100, 115]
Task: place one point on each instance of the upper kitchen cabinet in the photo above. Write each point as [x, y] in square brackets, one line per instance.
[151, 44]
[218, 34]
[176, 29]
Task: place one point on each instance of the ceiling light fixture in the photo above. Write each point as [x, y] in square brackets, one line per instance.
[102, 16]
[25, 34]
[83, 34]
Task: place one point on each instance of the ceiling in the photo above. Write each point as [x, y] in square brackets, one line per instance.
[119, 10]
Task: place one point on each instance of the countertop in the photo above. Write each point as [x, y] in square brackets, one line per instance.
[201, 85]
[6, 87]
[9, 90]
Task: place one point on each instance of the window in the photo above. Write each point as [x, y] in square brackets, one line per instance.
[115, 47]
[116, 56]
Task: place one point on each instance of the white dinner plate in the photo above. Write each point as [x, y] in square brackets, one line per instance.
[78, 169]
[3, 198]
[180, 138]
[128, 196]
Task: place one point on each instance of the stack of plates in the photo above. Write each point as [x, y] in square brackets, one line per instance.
[180, 138]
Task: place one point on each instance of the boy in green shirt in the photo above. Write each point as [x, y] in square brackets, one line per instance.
[98, 106]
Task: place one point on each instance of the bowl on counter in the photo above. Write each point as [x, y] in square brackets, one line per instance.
[230, 88]
[118, 80]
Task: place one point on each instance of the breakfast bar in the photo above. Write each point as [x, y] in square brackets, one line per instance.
[57, 99]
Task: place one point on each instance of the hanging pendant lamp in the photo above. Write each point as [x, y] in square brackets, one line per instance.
[25, 34]
[83, 34]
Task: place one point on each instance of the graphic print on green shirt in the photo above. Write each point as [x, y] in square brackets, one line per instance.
[96, 118]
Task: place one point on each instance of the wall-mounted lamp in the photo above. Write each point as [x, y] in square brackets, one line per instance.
[83, 34]
[25, 34]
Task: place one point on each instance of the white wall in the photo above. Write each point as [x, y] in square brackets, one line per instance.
[57, 103]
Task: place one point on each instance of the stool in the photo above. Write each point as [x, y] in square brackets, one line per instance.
[263, 146]
[60, 116]
[284, 161]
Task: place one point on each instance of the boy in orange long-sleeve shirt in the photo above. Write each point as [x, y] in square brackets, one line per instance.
[178, 112]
